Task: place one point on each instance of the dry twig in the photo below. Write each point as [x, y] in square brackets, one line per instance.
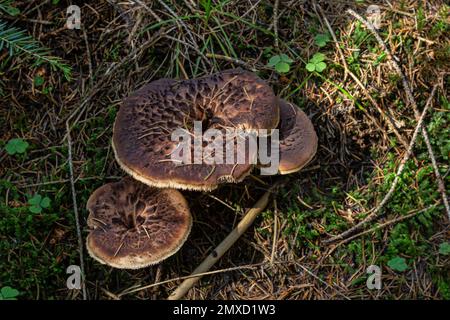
[386, 224]
[374, 213]
[75, 211]
[412, 102]
[275, 21]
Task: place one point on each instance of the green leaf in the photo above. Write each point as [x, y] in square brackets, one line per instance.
[38, 81]
[8, 293]
[444, 248]
[310, 67]
[35, 200]
[320, 66]
[45, 203]
[282, 67]
[285, 58]
[317, 57]
[321, 40]
[35, 209]
[398, 264]
[13, 11]
[16, 145]
[274, 60]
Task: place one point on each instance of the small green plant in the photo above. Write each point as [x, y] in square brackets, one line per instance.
[8, 293]
[19, 44]
[6, 7]
[37, 203]
[16, 145]
[281, 63]
[316, 63]
[38, 81]
[47, 90]
[398, 264]
[207, 6]
[321, 40]
[444, 248]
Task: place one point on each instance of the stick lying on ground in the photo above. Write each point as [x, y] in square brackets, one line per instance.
[373, 215]
[223, 247]
[419, 117]
[413, 103]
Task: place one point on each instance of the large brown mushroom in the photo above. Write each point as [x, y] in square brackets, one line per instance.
[142, 131]
[134, 225]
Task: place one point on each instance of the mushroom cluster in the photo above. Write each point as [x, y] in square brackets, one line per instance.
[142, 219]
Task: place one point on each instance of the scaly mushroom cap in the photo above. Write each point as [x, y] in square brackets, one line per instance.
[298, 140]
[134, 225]
[144, 124]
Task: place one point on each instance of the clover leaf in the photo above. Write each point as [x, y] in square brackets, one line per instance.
[321, 40]
[37, 203]
[398, 264]
[444, 248]
[316, 63]
[16, 145]
[8, 293]
[281, 63]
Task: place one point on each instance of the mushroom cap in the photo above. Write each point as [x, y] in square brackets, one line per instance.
[298, 139]
[142, 130]
[134, 226]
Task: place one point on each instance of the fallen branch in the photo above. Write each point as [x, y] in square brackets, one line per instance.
[75, 211]
[389, 194]
[412, 101]
[223, 247]
[386, 224]
[275, 22]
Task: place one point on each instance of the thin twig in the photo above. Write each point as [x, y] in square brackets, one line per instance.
[386, 224]
[275, 22]
[275, 230]
[75, 210]
[88, 54]
[230, 59]
[129, 291]
[412, 101]
[389, 194]
[322, 281]
[331, 31]
[148, 9]
[189, 32]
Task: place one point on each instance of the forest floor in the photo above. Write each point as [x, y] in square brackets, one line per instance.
[357, 104]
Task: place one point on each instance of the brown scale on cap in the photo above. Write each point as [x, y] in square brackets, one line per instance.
[144, 124]
[134, 225]
[298, 139]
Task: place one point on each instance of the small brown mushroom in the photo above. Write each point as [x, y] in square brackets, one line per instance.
[134, 225]
[142, 131]
[298, 139]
